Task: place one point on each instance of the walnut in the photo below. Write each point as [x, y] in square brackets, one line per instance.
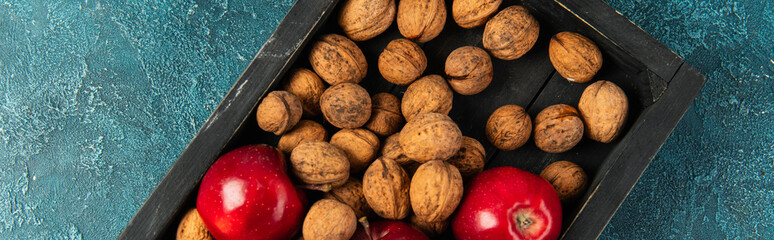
[509, 127]
[473, 13]
[436, 190]
[430, 136]
[360, 145]
[364, 19]
[471, 157]
[469, 69]
[386, 189]
[511, 33]
[346, 105]
[308, 87]
[329, 219]
[574, 56]
[431, 229]
[391, 149]
[604, 107]
[428, 94]
[336, 59]
[305, 130]
[421, 20]
[192, 227]
[386, 117]
[319, 163]
[558, 128]
[351, 193]
[402, 62]
[569, 180]
[279, 112]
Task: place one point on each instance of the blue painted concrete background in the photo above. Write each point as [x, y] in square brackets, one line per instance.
[99, 97]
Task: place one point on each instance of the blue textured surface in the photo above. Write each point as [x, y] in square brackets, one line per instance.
[98, 98]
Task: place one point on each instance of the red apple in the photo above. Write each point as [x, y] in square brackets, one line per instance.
[388, 230]
[246, 194]
[508, 203]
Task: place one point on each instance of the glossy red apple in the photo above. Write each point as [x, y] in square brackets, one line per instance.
[508, 203]
[246, 194]
[388, 230]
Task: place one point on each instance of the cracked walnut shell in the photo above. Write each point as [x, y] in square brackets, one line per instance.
[364, 19]
[336, 59]
[279, 112]
[511, 33]
[558, 128]
[574, 56]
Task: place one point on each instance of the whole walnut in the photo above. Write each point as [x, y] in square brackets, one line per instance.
[305, 130]
[574, 56]
[509, 127]
[279, 112]
[386, 189]
[569, 180]
[386, 117]
[391, 149]
[431, 229]
[338, 60]
[469, 69]
[436, 190]
[428, 94]
[471, 157]
[421, 20]
[430, 136]
[473, 13]
[346, 105]
[308, 87]
[511, 33]
[329, 219]
[558, 128]
[192, 227]
[319, 163]
[360, 145]
[604, 107]
[351, 193]
[402, 62]
[364, 19]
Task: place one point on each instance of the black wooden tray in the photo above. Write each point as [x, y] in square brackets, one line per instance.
[660, 87]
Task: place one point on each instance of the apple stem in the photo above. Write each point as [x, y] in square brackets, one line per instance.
[317, 187]
[364, 222]
[523, 220]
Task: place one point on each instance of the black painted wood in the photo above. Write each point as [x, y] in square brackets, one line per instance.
[646, 70]
[263, 73]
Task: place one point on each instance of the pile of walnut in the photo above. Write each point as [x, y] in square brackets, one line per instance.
[416, 173]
